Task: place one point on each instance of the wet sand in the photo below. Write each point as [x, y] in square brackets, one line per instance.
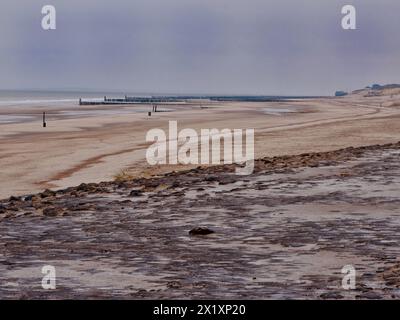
[93, 144]
[284, 232]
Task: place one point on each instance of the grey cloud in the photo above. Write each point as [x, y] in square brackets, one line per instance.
[199, 46]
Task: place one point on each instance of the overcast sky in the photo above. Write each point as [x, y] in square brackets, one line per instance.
[199, 46]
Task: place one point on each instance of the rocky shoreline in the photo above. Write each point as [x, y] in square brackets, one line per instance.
[283, 232]
[42, 201]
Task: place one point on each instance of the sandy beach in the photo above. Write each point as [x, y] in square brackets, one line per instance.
[83, 144]
[199, 157]
[323, 195]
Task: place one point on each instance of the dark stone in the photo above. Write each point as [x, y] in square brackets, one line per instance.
[82, 206]
[331, 295]
[211, 178]
[151, 184]
[86, 187]
[226, 180]
[12, 198]
[136, 193]
[50, 212]
[82, 187]
[369, 296]
[47, 193]
[175, 184]
[28, 197]
[200, 231]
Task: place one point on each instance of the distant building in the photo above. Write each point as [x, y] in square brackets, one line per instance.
[376, 87]
[340, 93]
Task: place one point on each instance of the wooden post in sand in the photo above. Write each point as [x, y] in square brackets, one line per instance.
[44, 120]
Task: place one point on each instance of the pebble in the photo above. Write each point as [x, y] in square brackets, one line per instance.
[200, 231]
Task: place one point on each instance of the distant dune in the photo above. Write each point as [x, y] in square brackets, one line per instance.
[377, 90]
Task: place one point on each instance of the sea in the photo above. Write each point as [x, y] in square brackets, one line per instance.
[23, 98]
[14, 104]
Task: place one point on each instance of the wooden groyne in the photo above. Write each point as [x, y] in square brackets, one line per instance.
[130, 100]
[191, 99]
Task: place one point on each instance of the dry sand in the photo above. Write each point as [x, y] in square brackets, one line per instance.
[93, 144]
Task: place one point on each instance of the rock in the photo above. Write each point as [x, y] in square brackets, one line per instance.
[136, 193]
[151, 184]
[47, 193]
[86, 187]
[178, 193]
[200, 231]
[82, 206]
[50, 212]
[331, 295]
[175, 184]
[174, 284]
[37, 202]
[29, 197]
[12, 198]
[225, 181]
[369, 296]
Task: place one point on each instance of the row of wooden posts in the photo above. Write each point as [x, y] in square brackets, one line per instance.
[153, 110]
[45, 123]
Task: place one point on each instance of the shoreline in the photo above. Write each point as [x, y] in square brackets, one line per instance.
[90, 149]
[311, 159]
